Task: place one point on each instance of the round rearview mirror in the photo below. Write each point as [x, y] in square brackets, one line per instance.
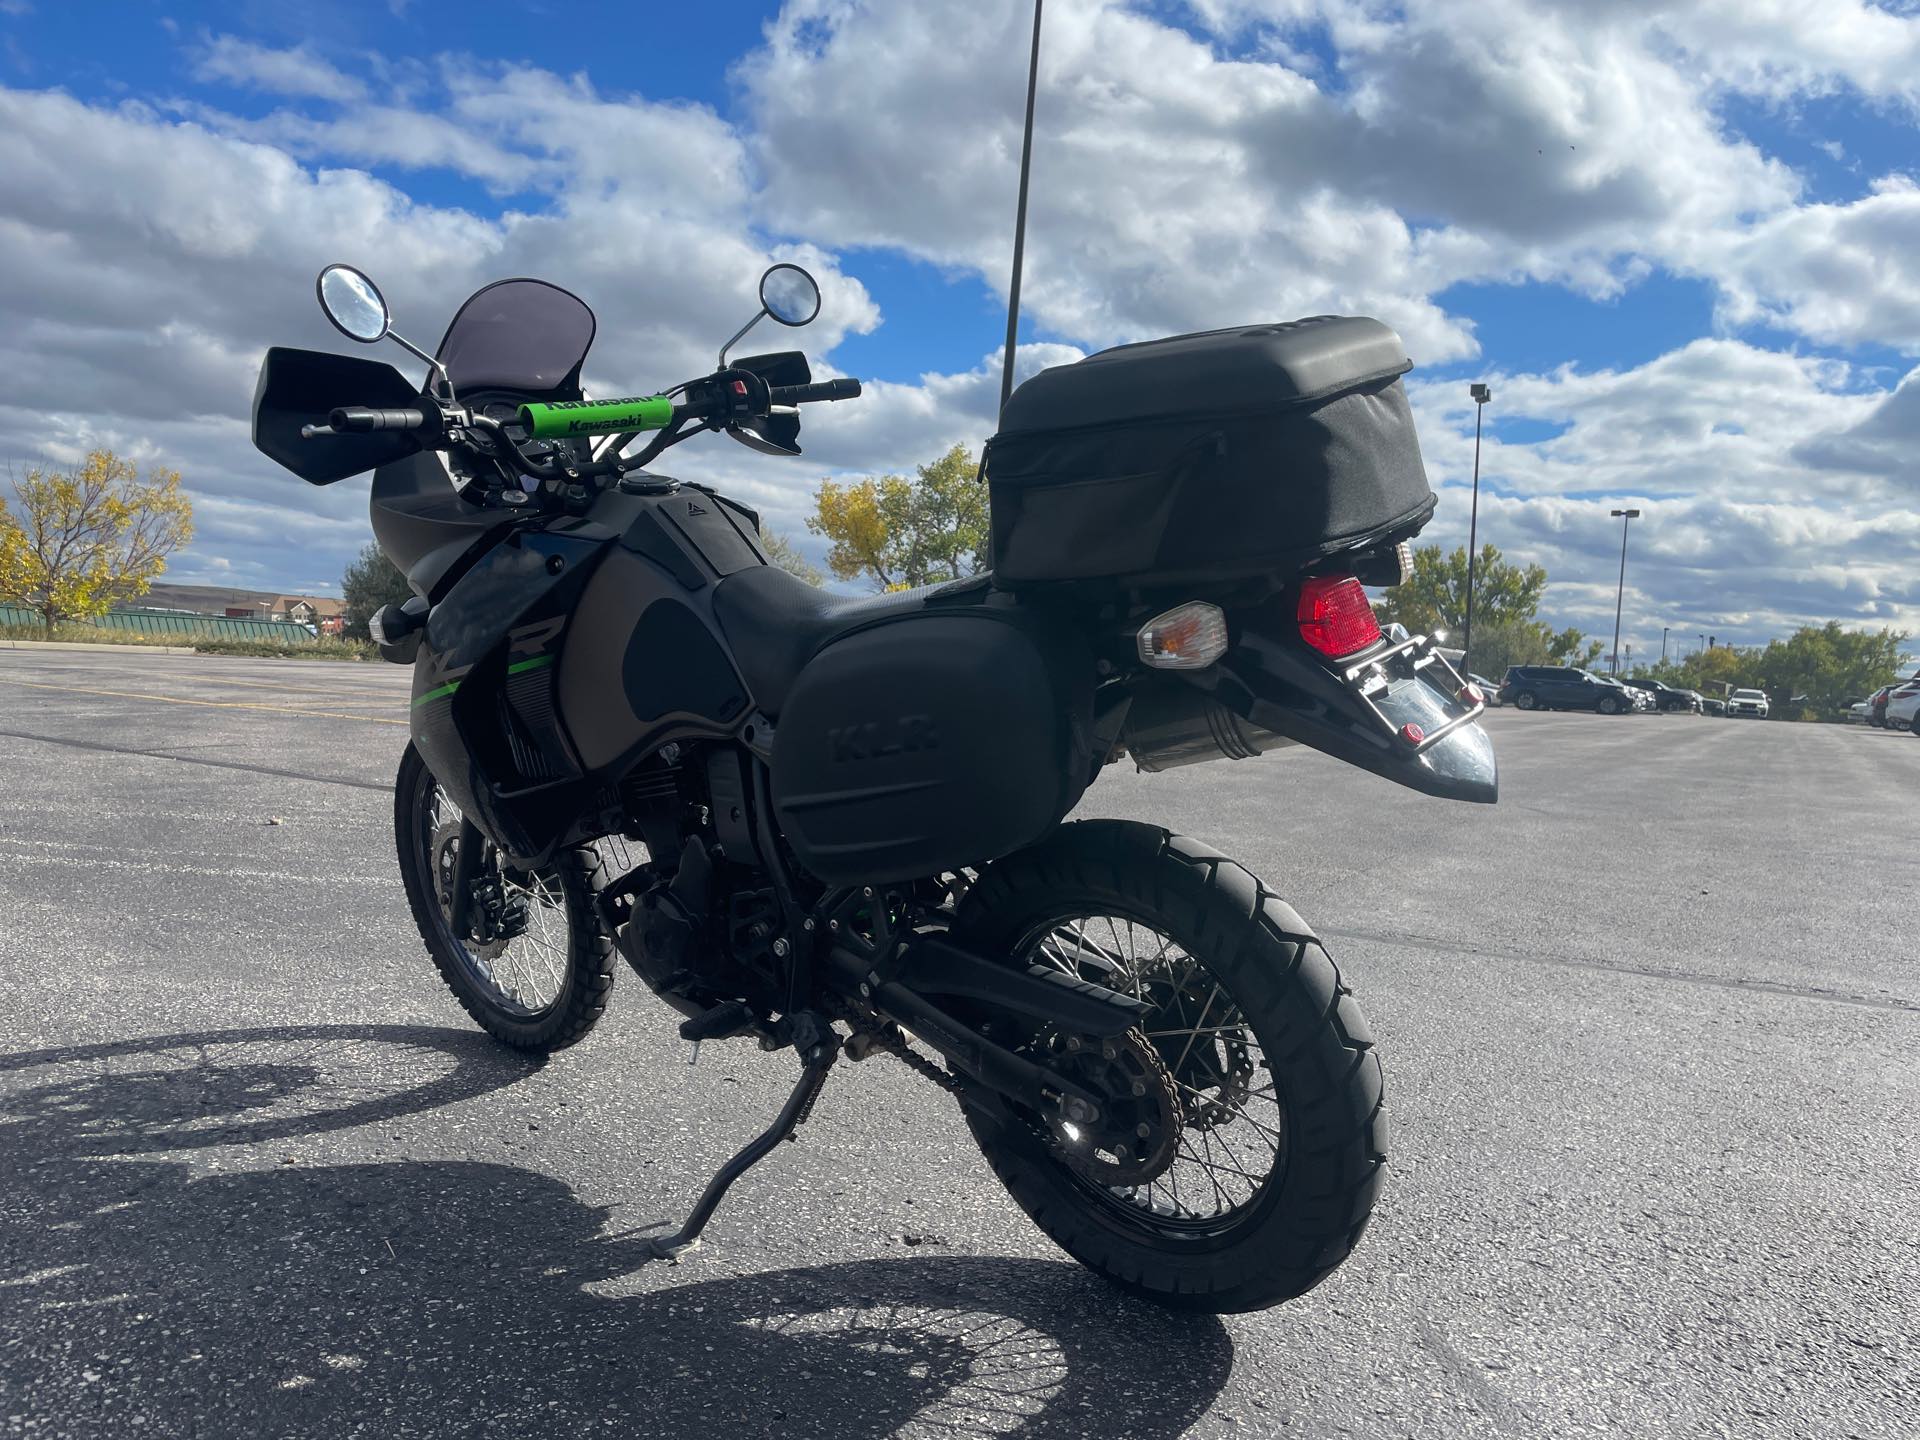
[353, 303]
[789, 294]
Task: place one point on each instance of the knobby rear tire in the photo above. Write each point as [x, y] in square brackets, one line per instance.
[1315, 1205]
[587, 974]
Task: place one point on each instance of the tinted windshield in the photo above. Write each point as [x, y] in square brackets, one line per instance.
[1748, 695]
[518, 335]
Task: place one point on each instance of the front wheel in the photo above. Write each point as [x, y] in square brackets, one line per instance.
[541, 981]
[1609, 705]
[1252, 1087]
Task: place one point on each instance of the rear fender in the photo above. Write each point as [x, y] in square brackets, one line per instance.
[1356, 710]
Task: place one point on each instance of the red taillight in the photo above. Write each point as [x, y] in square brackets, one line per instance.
[1335, 617]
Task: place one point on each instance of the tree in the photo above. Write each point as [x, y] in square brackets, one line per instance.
[784, 553]
[897, 532]
[1506, 601]
[370, 582]
[1829, 666]
[1824, 666]
[89, 539]
[1434, 597]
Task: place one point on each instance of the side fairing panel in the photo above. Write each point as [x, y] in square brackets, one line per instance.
[645, 664]
[484, 714]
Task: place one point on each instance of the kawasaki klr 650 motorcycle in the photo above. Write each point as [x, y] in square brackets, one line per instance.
[852, 809]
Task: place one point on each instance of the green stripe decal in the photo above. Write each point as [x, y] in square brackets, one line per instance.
[520, 667]
[436, 694]
[597, 417]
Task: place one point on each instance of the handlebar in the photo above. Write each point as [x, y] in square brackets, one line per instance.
[819, 390]
[356, 419]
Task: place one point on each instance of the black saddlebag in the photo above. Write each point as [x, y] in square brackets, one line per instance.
[942, 738]
[1217, 456]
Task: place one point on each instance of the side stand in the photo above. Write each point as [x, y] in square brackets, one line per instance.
[819, 1047]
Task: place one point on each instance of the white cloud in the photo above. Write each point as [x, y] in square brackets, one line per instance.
[297, 72]
[1276, 158]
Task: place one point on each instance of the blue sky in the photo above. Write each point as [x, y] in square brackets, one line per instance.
[1681, 240]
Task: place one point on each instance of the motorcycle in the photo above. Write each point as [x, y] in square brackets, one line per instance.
[851, 812]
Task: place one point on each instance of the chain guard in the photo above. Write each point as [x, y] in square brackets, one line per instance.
[1138, 1133]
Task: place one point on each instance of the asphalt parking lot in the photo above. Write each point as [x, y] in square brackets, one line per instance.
[1651, 1030]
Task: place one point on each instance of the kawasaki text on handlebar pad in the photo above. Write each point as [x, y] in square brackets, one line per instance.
[597, 417]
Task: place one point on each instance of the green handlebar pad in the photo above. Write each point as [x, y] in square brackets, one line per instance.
[597, 417]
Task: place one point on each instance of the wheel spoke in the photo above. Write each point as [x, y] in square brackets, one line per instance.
[1222, 1157]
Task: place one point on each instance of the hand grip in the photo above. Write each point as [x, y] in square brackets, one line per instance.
[355, 419]
[819, 390]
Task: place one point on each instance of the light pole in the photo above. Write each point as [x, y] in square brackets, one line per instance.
[1481, 395]
[1020, 214]
[1626, 519]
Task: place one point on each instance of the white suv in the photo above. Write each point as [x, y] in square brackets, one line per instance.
[1747, 702]
[1903, 705]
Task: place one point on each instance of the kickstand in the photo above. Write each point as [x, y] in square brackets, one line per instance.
[819, 1047]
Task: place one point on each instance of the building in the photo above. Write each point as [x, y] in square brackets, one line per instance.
[324, 614]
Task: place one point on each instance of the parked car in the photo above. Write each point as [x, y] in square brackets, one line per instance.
[1748, 702]
[1666, 697]
[1856, 712]
[1711, 706]
[1487, 688]
[1903, 701]
[1562, 687]
[1640, 700]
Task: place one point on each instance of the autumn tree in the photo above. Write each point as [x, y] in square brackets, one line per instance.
[896, 532]
[784, 553]
[371, 581]
[77, 542]
[1506, 604]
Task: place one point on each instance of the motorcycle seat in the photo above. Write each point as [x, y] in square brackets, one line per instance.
[775, 622]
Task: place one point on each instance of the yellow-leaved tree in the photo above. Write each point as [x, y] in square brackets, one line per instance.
[898, 532]
[76, 543]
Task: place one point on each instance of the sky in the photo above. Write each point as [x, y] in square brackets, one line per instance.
[1680, 241]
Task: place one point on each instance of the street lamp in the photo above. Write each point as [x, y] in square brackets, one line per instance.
[1626, 518]
[1664, 631]
[1481, 395]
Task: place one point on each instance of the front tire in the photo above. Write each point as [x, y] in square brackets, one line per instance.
[1609, 705]
[540, 991]
[1288, 1070]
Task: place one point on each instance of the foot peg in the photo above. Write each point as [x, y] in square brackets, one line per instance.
[819, 1047]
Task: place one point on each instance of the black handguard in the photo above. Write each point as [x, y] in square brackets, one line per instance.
[845, 389]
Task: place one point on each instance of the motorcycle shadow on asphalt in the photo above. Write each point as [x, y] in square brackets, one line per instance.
[450, 1297]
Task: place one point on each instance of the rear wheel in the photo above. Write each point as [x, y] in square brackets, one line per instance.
[542, 982]
[1252, 1087]
[1526, 700]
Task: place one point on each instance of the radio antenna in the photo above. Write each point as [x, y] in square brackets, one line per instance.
[1020, 214]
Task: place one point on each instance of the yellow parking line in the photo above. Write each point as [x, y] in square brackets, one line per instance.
[208, 704]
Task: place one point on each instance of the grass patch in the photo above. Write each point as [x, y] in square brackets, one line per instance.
[90, 635]
[322, 648]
